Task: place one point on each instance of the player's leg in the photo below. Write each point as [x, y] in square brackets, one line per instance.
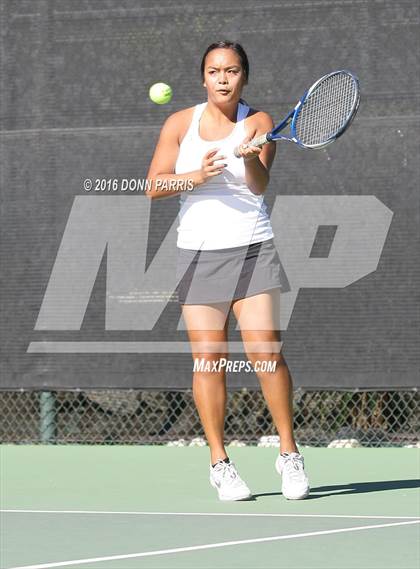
[207, 331]
[258, 318]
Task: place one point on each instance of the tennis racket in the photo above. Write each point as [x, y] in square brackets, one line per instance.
[324, 112]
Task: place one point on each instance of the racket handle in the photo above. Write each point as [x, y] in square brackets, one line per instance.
[258, 141]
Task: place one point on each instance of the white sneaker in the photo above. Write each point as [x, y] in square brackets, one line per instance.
[225, 478]
[295, 483]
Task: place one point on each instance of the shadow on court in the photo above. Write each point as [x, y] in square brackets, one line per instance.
[352, 488]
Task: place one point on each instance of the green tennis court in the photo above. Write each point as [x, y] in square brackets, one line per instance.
[122, 507]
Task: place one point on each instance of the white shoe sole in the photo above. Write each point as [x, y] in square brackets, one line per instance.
[230, 498]
[238, 499]
[301, 497]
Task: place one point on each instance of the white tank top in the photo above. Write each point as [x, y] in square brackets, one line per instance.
[222, 212]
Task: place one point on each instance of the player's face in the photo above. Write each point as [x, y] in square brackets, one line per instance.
[223, 76]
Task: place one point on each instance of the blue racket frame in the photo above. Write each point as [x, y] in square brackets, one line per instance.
[292, 117]
[297, 109]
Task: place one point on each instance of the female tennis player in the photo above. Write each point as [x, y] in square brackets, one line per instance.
[227, 260]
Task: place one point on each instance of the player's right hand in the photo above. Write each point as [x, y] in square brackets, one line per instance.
[212, 164]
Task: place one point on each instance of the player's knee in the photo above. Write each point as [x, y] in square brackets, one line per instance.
[269, 349]
[275, 359]
[210, 350]
[266, 357]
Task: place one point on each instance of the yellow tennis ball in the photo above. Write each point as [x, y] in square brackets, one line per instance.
[160, 93]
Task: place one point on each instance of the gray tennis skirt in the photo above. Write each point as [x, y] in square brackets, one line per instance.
[228, 274]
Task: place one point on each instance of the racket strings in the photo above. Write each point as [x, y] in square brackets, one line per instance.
[327, 109]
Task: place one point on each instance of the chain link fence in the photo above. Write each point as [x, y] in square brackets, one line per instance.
[373, 418]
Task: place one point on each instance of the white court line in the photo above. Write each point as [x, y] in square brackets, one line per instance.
[206, 546]
[131, 513]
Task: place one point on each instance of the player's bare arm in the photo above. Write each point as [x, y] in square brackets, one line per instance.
[257, 160]
[162, 168]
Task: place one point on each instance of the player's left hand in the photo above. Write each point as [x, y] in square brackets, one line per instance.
[249, 153]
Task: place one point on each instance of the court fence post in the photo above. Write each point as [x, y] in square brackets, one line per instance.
[48, 419]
